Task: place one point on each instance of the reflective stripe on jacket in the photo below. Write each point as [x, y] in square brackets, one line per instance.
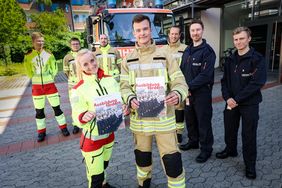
[151, 61]
[176, 50]
[70, 68]
[109, 60]
[83, 95]
[41, 67]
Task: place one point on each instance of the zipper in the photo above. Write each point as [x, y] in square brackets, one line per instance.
[40, 65]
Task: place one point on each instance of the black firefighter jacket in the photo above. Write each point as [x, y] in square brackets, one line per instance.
[243, 78]
[197, 66]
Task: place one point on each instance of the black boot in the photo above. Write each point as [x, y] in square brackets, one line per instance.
[146, 184]
[41, 137]
[65, 132]
[251, 172]
[179, 138]
[108, 186]
[75, 130]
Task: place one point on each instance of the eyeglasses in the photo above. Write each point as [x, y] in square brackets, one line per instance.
[74, 44]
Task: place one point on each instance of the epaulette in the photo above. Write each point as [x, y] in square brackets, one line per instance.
[28, 52]
[78, 84]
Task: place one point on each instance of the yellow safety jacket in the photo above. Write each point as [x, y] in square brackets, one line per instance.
[176, 50]
[109, 60]
[70, 68]
[152, 61]
[82, 100]
[41, 67]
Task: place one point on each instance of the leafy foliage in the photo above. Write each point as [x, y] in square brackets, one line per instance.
[50, 23]
[12, 21]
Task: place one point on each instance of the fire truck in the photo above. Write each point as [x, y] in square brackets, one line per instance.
[116, 23]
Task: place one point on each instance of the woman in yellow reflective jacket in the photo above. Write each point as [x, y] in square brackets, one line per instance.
[96, 148]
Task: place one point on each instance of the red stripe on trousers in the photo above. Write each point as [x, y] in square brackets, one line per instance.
[45, 89]
[90, 145]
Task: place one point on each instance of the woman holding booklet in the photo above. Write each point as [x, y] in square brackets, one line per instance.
[94, 100]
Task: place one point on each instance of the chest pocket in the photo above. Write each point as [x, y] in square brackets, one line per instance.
[247, 72]
[157, 67]
[196, 64]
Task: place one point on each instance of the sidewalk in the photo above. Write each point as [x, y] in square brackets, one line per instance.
[58, 162]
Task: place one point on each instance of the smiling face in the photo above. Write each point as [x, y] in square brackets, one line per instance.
[174, 35]
[75, 45]
[196, 32]
[142, 32]
[88, 63]
[38, 43]
[103, 40]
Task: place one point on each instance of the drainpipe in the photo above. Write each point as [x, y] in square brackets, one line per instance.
[71, 15]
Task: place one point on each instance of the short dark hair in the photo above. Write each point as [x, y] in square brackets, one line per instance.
[197, 21]
[74, 39]
[238, 30]
[140, 18]
[175, 26]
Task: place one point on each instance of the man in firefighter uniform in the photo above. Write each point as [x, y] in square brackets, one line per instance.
[70, 70]
[108, 58]
[197, 66]
[176, 49]
[41, 67]
[96, 148]
[147, 60]
[244, 76]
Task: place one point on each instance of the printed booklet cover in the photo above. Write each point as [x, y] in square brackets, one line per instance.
[109, 114]
[150, 93]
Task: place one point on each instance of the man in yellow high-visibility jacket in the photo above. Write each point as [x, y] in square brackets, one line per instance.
[108, 58]
[70, 70]
[41, 67]
[147, 60]
[176, 49]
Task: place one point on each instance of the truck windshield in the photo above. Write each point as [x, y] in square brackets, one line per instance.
[119, 28]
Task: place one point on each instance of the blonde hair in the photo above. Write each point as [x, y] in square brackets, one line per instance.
[36, 35]
[80, 53]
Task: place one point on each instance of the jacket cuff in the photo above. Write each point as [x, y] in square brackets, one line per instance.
[80, 118]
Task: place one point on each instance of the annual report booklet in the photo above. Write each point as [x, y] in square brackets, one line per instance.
[150, 93]
[109, 115]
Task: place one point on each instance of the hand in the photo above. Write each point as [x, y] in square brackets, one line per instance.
[172, 99]
[134, 104]
[231, 103]
[88, 116]
[125, 110]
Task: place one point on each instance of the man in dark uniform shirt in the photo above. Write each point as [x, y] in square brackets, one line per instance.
[244, 76]
[197, 66]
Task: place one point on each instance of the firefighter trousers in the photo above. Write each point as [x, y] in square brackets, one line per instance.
[250, 117]
[170, 157]
[39, 104]
[198, 116]
[96, 163]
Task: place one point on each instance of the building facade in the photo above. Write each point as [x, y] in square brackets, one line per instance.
[220, 17]
[76, 11]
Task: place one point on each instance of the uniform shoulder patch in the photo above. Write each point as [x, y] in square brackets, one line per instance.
[78, 84]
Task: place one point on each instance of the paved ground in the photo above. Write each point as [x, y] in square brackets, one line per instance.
[58, 162]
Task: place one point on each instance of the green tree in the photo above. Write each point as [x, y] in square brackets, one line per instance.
[12, 26]
[50, 23]
[12, 21]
